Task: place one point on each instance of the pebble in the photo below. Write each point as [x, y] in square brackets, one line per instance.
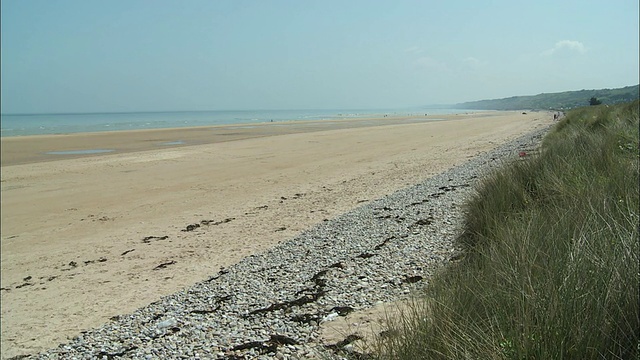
[269, 305]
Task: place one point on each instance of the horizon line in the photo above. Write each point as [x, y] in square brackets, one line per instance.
[434, 106]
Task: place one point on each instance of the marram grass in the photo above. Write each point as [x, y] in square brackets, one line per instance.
[552, 255]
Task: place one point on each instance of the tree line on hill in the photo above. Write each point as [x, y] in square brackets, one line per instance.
[557, 101]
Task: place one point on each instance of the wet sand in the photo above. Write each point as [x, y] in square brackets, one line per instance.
[84, 237]
[24, 150]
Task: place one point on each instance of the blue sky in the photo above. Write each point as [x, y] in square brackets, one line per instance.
[95, 56]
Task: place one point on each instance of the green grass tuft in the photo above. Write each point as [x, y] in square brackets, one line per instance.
[552, 255]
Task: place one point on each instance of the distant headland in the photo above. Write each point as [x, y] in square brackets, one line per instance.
[556, 101]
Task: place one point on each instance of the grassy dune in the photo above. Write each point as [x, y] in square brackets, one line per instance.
[551, 269]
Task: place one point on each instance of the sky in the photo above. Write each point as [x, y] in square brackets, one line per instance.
[67, 56]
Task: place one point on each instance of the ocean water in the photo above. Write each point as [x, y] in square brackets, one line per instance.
[43, 124]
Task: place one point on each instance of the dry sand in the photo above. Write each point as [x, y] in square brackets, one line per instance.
[73, 226]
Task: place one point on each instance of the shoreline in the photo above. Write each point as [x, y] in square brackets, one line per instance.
[86, 239]
[34, 124]
[18, 150]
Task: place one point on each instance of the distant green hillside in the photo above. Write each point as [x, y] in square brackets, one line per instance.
[562, 100]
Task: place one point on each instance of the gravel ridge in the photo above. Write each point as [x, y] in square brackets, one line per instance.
[270, 305]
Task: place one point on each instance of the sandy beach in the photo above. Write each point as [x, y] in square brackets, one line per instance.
[86, 237]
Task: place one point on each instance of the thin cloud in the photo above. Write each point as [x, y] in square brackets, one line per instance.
[472, 62]
[413, 50]
[568, 45]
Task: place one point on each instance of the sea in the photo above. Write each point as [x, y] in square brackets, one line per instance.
[47, 124]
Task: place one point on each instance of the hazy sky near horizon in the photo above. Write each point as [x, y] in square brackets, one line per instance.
[163, 55]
